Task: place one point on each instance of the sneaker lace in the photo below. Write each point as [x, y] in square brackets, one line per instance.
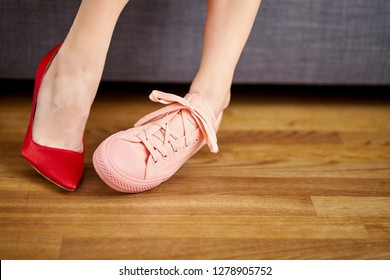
[178, 106]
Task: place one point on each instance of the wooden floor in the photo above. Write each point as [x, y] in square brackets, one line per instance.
[302, 174]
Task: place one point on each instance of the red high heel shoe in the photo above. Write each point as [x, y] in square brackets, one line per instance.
[62, 167]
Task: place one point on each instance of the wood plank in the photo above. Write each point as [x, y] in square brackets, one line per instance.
[377, 227]
[29, 247]
[224, 248]
[352, 206]
[105, 224]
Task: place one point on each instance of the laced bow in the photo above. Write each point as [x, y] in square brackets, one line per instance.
[177, 104]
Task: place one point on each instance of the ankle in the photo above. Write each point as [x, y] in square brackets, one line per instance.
[217, 99]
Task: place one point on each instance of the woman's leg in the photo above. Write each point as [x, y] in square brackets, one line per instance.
[227, 28]
[143, 157]
[71, 82]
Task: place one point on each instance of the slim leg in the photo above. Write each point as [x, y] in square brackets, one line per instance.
[228, 24]
[70, 84]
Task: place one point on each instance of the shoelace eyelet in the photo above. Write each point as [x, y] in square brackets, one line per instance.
[165, 157]
[196, 140]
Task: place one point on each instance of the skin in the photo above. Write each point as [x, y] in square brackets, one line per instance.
[227, 28]
[70, 84]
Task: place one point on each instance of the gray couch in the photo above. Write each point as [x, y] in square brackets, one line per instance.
[337, 42]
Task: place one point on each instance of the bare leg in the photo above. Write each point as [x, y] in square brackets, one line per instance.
[71, 82]
[227, 28]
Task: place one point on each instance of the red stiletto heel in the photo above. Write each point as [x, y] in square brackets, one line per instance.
[62, 167]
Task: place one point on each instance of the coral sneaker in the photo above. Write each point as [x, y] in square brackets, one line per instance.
[141, 158]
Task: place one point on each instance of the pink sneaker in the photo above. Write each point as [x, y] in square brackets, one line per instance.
[141, 158]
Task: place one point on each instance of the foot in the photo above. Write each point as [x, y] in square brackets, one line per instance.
[143, 157]
[214, 93]
[64, 101]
